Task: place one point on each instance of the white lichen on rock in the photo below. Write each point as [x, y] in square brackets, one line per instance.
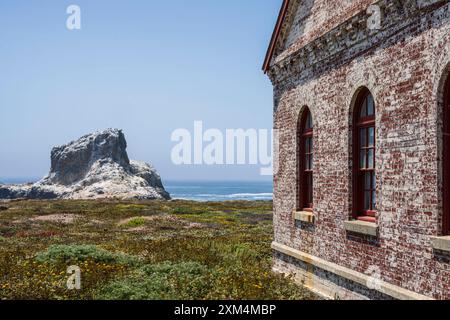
[93, 167]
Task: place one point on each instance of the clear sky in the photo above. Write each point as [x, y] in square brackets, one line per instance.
[145, 66]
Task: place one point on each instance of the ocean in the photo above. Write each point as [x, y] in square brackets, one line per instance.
[220, 190]
[203, 190]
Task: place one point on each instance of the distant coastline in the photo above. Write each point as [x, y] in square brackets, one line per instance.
[201, 190]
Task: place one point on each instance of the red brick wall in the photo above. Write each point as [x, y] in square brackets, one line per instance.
[404, 72]
[312, 18]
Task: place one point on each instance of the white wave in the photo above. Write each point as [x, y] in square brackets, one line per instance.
[249, 195]
[235, 195]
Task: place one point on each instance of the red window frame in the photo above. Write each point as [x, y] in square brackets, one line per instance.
[364, 155]
[446, 159]
[306, 161]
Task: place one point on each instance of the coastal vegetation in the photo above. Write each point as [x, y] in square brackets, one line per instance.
[140, 250]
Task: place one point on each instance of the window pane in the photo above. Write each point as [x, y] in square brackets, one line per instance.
[371, 136]
[367, 200]
[374, 181]
[374, 201]
[370, 105]
[368, 181]
[371, 159]
[362, 137]
[364, 109]
[310, 188]
[311, 162]
[362, 159]
[307, 162]
[308, 124]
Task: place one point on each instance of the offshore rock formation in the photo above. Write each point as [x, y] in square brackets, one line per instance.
[93, 167]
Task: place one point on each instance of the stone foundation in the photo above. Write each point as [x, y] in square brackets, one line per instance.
[330, 281]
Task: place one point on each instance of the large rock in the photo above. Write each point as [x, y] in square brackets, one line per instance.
[95, 166]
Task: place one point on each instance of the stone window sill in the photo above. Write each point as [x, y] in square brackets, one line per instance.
[441, 243]
[362, 227]
[304, 216]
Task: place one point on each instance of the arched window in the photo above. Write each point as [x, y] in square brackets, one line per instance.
[364, 177]
[446, 159]
[306, 161]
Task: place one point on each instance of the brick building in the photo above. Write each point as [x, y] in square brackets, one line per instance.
[362, 108]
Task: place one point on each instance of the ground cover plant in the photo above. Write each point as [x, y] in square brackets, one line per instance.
[140, 250]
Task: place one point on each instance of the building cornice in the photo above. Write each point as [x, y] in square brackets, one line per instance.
[352, 38]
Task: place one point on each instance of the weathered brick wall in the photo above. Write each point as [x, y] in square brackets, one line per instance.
[403, 65]
[312, 18]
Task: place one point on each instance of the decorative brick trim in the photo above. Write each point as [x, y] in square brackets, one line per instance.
[351, 38]
[362, 279]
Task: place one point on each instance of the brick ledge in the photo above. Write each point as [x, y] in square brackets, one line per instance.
[384, 287]
[362, 227]
[441, 243]
[304, 216]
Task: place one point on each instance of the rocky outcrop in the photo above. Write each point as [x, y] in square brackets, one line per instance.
[93, 167]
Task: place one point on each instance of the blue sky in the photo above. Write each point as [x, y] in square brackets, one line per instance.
[147, 67]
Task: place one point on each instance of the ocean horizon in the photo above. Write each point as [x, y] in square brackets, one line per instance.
[201, 191]
[220, 190]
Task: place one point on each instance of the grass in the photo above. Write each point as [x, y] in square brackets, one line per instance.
[141, 250]
[135, 222]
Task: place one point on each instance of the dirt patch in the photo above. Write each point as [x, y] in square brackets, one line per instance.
[37, 234]
[96, 222]
[58, 218]
[196, 225]
[137, 229]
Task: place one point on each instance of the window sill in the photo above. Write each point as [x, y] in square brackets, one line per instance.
[304, 216]
[362, 227]
[441, 243]
[368, 219]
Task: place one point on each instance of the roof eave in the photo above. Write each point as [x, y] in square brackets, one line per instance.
[275, 35]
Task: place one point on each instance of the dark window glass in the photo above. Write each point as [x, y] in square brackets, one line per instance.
[370, 106]
[308, 122]
[371, 136]
[446, 160]
[306, 138]
[365, 160]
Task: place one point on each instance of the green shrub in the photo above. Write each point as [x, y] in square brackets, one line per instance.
[78, 253]
[131, 207]
[178, 269]
[182, 210]
[135, 222]
[238, 272]
[165, 281]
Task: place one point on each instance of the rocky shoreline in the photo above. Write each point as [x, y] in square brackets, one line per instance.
[96, 166]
